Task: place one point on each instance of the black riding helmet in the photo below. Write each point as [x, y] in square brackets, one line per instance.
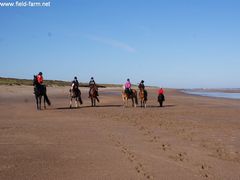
[75, 77]
[142, 81]
[40, 73]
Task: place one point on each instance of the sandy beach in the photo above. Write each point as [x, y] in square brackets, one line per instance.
[191, 137]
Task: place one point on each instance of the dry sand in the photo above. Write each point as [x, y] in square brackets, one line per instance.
[190, 138]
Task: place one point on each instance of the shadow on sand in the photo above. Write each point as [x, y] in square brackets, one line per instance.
[164, 106]
[111, 106]
[99, 106]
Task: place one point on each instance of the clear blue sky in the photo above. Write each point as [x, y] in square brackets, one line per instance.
[168, 43]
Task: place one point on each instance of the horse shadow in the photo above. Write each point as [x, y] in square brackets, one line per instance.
[83, 107]
[157, 106]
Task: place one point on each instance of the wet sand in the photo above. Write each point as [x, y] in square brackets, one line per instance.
[191, 137]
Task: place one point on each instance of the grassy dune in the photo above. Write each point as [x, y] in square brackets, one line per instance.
[28, 82]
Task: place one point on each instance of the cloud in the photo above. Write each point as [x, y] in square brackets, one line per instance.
[112, 42]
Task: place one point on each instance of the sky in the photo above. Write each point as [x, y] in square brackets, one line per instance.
[166, 43]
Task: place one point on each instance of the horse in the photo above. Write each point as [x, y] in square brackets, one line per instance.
[75, 93]
[143, 97]
[93, 94]
[39, 91]
[133, 96]
[161, 98]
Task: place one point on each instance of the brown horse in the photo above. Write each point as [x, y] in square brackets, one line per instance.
[93, 94]
[143, 97]
[75, 93]
[133, 96]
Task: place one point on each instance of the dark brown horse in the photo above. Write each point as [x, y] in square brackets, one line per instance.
[143, 97]
[132, 96]
[40, 91]
[161, 98]
[93, 94]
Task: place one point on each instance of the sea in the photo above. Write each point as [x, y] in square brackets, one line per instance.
[228, 95]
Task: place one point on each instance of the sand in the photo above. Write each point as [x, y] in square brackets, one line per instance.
[189, 138]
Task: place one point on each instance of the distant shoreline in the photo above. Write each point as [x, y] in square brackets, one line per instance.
[234, 94]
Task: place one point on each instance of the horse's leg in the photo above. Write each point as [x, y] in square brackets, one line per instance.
[133, 102]
[160, 102]
[70, 102]
[36, 97]
[76, 105]
[124, 101]
[40, 102]
[92, 101]
[78, 102]
[145, 103]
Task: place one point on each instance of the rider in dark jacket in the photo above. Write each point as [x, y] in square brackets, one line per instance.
[142, 86]
[75, 82]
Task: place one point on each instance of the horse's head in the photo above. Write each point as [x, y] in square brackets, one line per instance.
[35, 80]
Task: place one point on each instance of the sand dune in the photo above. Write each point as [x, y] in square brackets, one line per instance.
[190, 138]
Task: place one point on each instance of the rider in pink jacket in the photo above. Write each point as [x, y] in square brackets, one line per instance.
[128, 87]
[128, 84]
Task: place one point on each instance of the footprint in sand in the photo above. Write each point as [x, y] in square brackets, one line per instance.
[165, 147]
[179, 157]
[204, 170]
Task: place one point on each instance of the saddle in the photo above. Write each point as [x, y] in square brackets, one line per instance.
[129, 92]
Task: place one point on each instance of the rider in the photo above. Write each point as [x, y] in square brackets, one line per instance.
[160, 91]
[142, 86]
[128, 87]
[75, 83]
[161, 96]
[40, 78]
[39, 85]
[92, 84]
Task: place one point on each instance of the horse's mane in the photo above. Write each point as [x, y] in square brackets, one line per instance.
[35, 82]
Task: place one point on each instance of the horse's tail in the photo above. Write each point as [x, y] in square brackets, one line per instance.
[47, 100]
[136, 99]
[80, 99]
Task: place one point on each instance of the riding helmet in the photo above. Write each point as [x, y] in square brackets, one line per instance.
[40, 73]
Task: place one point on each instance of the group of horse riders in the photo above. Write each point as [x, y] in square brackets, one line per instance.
[92, 85]
[128, 89]
[38, 83]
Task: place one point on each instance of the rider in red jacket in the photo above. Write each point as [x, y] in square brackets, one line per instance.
[160, 91]
[40, 78]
